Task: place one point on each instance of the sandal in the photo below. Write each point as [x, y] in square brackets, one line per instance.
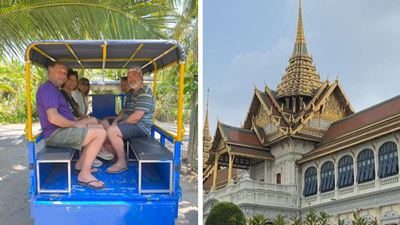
[116, 171]
[88, 184]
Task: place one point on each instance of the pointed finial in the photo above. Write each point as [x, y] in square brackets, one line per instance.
[300, 45]
[300, 39]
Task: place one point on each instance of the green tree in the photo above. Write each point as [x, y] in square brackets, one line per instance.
[359, 220]
[296, 220]
[311, 218]
[226, 213]
[13, 97]
[82, 19]
[279, 220]
[98, 19]
[257, 220]
[323, 218]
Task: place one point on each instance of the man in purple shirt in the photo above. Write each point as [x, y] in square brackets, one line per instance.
[61, 130]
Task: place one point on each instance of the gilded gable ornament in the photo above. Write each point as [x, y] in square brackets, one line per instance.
[262, 118]
[332, 109]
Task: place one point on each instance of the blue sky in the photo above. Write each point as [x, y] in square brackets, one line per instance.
[248, 43]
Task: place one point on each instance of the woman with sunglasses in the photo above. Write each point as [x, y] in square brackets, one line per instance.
[81, 95]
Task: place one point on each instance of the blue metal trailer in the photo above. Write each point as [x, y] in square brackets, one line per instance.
[149, 192]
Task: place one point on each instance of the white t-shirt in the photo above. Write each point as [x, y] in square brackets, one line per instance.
[82, 101]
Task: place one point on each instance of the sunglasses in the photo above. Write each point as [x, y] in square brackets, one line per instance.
[86, 84]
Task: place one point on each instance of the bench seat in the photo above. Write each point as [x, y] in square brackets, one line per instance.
[51, 164]
[149, 148]
[155, 165]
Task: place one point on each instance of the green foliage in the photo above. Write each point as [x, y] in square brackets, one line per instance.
[167, 94]
[82, 19]
[279, 220]
[360, 220]
[13, 97]
[226, 213]
[311, 218]
[258, 220]
[323, 218]
[296, 220]
[94, 19]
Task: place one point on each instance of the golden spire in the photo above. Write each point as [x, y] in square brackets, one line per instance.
[301, 77]
[206, 123]
[206, 136]
[300, 31]
[300, 45]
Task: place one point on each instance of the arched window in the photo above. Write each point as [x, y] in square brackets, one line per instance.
[310, 182]
[365, 166]
[327, 177]
[346, 171]
[388, 163]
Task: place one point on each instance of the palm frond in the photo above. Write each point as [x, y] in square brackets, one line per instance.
[26, 21]
[6, 88]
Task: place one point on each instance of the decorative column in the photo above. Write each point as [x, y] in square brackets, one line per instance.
[231, 159]
[214, 186]
[318, 182]
[376, 163]
[335, 167]
[355, 173]
[397, 137]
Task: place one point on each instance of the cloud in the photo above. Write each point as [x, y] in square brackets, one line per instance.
[230, 97]
[355, 40]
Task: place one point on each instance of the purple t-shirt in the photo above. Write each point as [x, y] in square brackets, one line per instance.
[49, 96]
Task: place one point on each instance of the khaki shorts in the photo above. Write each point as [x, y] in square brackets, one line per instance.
[67, 138]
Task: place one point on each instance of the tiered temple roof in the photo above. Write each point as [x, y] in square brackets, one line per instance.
[378, 120]
[302, 107]
[301, 77]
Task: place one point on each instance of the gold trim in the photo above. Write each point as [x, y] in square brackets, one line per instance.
[252, 156]
[74, 54]
[133, 55]
[43, 53]
[104, 46]
[101, 60]
[161, 55]
[248, 146]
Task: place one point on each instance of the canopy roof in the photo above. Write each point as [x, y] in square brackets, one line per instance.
[106, 54]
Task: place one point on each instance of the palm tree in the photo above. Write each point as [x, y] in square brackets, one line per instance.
[279, 220]
[311, 218]
[26, 20]
[186, 32]
[257, 220]
[296, 220]
[323, 218]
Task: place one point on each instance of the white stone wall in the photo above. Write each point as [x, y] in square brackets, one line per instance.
[353, 152]
[379, 198]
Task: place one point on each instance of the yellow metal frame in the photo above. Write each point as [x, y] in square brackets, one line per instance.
[28, 127]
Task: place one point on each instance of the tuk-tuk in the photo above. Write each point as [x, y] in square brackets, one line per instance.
[149, 192]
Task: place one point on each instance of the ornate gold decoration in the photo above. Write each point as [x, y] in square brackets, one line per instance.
[332, 109]
[301, 77]
[262, 118]
[207, 139]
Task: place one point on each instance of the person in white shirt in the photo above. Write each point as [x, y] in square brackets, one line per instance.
[80, 95]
